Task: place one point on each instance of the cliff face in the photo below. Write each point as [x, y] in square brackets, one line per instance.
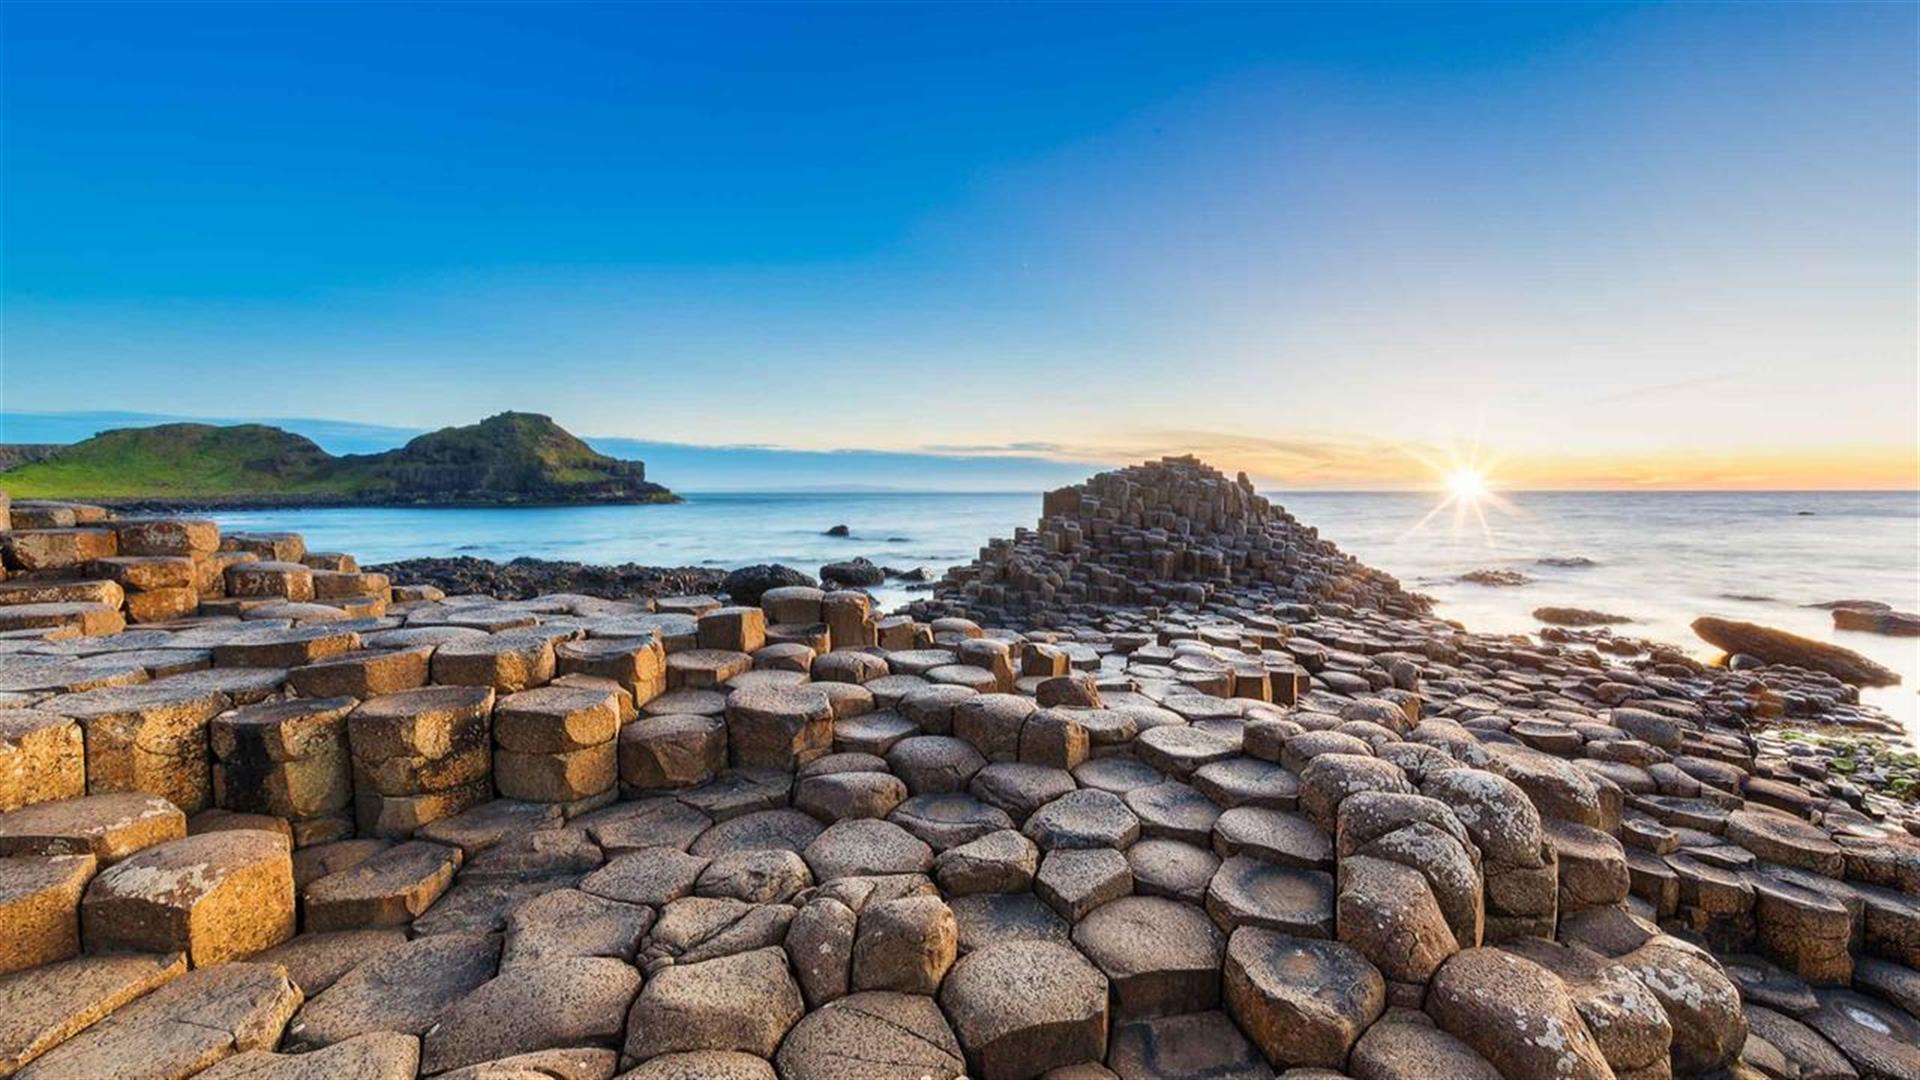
[505, 459]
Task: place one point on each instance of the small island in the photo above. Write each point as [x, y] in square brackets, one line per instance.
[510, 459]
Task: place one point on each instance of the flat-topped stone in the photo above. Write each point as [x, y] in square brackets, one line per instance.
[42, 758]
[42, 1007]
[1161, 957]
[404, 989]
[39, 908]
[180, 1028]
[1023, 1007]
[217, 897]
[391, 888]
[110, 827]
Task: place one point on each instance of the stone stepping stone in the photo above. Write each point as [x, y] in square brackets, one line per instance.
[1593, 867]
[993, 722]
[1020, 789]
[555, 720]
[1116, 774]
[1302, 1002]
[181, 1028]
[933, 764]
[948, 820]
[919, 661]
[778, 727]
[978, 679]
[1275, 836]
[482, 907]
[269, 577]
[1002, 861]
[1073, 882]
[1181, 751]
[762, 830]
[686, 703]
[1196, 1044]
[650, 876]
[379, 1055]
[890, 690]
[83, 617]
[845, 795]
[1173, 869]
[1514, 1013]
[1775, 837]
[1084, 819]
[1298, 750]
[572, 1063]
[1784, 1046]
[492, 822]
[793, 603]
[269, 647]
[876, 1033]
[508, 662]
[42, 758]
[757, 877]
[541, 853]
[740, 791]
[1879, 1039]
[404, 989]
[671, 751]
[647, 823]
[42, 1007]
[705, 669]
[363, 674]
[149, 738]
[288, 759]
[1626, 1020]
[40, 908]
[744, 1003]
[1247, 781]
[931, 707]
[217, 897]
[571, 1001]
[391, 888]
[1248, 892]
[1173, 811]
[569, 922]
[1395, 1049]
[859, 848]
[1020, 1008]
[904, 945]
[871, 732]
[845, 665]
[316, 961]
[989, 918]
[1161, 957]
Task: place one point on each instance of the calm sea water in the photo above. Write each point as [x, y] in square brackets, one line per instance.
[1662, 559]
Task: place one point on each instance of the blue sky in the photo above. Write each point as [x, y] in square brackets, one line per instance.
[1619, 245]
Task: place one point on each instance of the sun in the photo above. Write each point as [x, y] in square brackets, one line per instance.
[1467, 484]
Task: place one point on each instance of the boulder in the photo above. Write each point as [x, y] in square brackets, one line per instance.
[1516, 1014]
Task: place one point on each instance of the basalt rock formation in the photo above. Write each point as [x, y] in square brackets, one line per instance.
[314, 823]
[1173, 531]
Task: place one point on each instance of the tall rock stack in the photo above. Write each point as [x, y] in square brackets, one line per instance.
[1172, 532]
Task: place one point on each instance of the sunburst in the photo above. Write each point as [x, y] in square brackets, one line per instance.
[1466, 484]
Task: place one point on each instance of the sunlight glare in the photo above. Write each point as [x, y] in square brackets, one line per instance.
[1467, 484]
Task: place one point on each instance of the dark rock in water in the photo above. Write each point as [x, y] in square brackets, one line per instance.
[1501, 578]
[857, 572]
[1566, 562]
[839, 530]
[1573, 616]
[1747, 598]
[1877, 621]
[1779, 647]
[918, 573]
[747, 584]
[524, 578]
[1862, 605]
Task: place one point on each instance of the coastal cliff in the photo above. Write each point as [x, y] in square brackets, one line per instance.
[508, 459]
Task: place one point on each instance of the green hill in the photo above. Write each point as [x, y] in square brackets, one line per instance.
[509, 458]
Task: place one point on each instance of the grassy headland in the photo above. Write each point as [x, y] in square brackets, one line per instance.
[509, 458]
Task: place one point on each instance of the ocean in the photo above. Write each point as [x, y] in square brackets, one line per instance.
[1661, 558]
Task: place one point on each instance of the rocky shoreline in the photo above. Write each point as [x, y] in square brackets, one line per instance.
[1165, 786]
